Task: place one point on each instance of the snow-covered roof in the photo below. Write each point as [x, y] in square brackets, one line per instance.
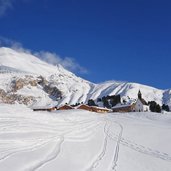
[102, 108]
[97, 107]
[121, 106]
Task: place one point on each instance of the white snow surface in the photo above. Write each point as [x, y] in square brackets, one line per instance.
[16, 64]
[77, 140]
[25, 62]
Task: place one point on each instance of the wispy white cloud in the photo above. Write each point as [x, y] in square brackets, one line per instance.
[5, 42]
[67, 62]
[10, 43]
[49, 57]
[5, 5]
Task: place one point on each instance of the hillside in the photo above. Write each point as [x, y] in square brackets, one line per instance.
[20, 82]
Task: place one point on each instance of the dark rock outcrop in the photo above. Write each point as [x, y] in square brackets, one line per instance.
[16, 84]
[11, 98]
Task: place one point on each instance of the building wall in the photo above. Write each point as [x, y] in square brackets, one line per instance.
[146, 108]
[65, 108]
[84, 107]
[124, 109]
[99, 110]
[139, 106]
[93, 109]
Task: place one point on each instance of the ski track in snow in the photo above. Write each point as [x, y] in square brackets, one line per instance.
[15, 150]
[146, 150]
[58, 132]
[22, 125]
[116, 153]
[100, 157]
[140, 148]
[121, 141]
[103, 151]
[51, 156]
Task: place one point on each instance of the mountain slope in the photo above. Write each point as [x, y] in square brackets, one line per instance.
[17, 67]
[27, 63]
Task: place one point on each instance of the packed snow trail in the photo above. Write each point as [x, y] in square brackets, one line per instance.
[103, 151]
[116, 154]
[139, 147]
[100, 157]
[51, 156]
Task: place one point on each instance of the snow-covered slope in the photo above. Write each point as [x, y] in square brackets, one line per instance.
[15, 65]
[78, 140]
[26, 62]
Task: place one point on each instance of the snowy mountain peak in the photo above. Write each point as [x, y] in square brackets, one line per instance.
[26, 62]
[19, 65]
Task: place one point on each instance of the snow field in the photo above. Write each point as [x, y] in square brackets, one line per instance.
[78, 140]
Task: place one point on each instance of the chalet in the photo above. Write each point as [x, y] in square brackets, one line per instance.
[100, 109]
[85, 107]
[124, 108]
[65, 107]
[45, 109]
[93, 108]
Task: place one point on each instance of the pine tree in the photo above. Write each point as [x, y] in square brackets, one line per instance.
[165, 107]
[91, 102]
[158, 108]
[99, 99]
[154, 107]
[105, 102]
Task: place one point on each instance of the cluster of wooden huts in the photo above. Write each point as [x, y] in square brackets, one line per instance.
[82, 106]
[139, 105]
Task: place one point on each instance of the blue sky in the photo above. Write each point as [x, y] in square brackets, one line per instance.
[111, 40]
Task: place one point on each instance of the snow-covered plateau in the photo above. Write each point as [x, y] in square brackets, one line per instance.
[78, 140]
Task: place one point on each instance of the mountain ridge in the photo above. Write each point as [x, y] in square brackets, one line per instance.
[73, 89]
